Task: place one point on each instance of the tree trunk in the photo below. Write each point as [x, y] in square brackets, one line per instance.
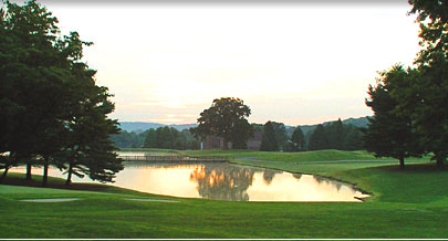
[7, 166]
[4, 174]
[225, 144]
[28, 171]
[440, 158]
[69, 175]
[45, 174]
[401, 162]
[440, 162]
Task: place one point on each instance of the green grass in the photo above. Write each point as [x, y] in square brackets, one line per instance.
[406, 204]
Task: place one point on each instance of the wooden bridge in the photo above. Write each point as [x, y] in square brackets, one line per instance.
[180, 159]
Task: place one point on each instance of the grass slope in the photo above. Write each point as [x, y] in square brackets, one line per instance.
[406, 204]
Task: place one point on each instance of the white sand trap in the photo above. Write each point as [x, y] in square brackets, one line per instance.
[50, 200]
[152, 200]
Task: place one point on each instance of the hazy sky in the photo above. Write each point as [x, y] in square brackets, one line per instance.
[291, 63]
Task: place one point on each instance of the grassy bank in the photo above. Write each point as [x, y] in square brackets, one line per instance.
[406, 204]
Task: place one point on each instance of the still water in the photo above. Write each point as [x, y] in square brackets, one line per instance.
[224, 181]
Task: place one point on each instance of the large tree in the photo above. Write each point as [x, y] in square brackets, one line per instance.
[425, 98]
[297, 141]
[280, 135]
[52, 110]
[318, 139]
[32, 77]
[226, 118]
[335, 132]
[269, 141]
[390, 134]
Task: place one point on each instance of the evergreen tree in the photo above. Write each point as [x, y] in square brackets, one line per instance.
[280, 135]
[55, 113]
[335, 134]
[32, 78]
[318, 139]
[353, 140]
[151, 139]
[390, 134]
[269, 141]
[297, 141]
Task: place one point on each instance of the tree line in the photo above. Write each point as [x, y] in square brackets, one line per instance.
[162, 137]
[276, 136]
[333, 135]
[410, 103]
[52, 112]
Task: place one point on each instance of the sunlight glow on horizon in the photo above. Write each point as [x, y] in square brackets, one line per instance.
[296, 64]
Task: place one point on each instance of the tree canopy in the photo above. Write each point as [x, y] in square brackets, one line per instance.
[226, 118]
[425, 99]
[410, 104]
[53, 113]
[390, 134]
[269, 141]
[297, 141]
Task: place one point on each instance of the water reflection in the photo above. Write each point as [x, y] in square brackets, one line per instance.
[223, 181]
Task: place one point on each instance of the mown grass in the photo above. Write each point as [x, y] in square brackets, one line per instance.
[411, 203]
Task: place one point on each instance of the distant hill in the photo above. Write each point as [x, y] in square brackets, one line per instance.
[360, 122]
[357, 122]
[139, 127]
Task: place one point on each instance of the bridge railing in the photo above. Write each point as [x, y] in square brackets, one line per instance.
[175, 158]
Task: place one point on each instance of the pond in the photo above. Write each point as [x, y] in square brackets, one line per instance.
[224, 181]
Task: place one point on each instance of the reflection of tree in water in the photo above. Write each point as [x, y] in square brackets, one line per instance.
[297, 175]
[321, 180]
[223, 182]
[268, 175]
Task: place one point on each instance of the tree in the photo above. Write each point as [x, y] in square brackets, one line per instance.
[131, 139]
[390, 134]
[89, 149]
[353, 139]
[280, 135]
[335, 133]
[424, 99]
[151, 139]
[55, 114]
[226, 118]
[269, 141]
[297, 141]
[318, 139]
[32, 74]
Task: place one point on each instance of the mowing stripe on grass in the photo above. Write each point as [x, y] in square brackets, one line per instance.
[152, 200]
[50, 200]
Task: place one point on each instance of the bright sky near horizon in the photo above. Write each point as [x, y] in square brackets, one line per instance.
[292, 63]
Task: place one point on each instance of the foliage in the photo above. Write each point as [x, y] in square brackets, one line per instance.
[335, 135]
[297, 142]
[269, 141]
[422, 97]
[390, 134]
[170, 138]
[319, 139]
[126, 139]
[53, 113]
[226, 118]
[281, 135]
[353, 139]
